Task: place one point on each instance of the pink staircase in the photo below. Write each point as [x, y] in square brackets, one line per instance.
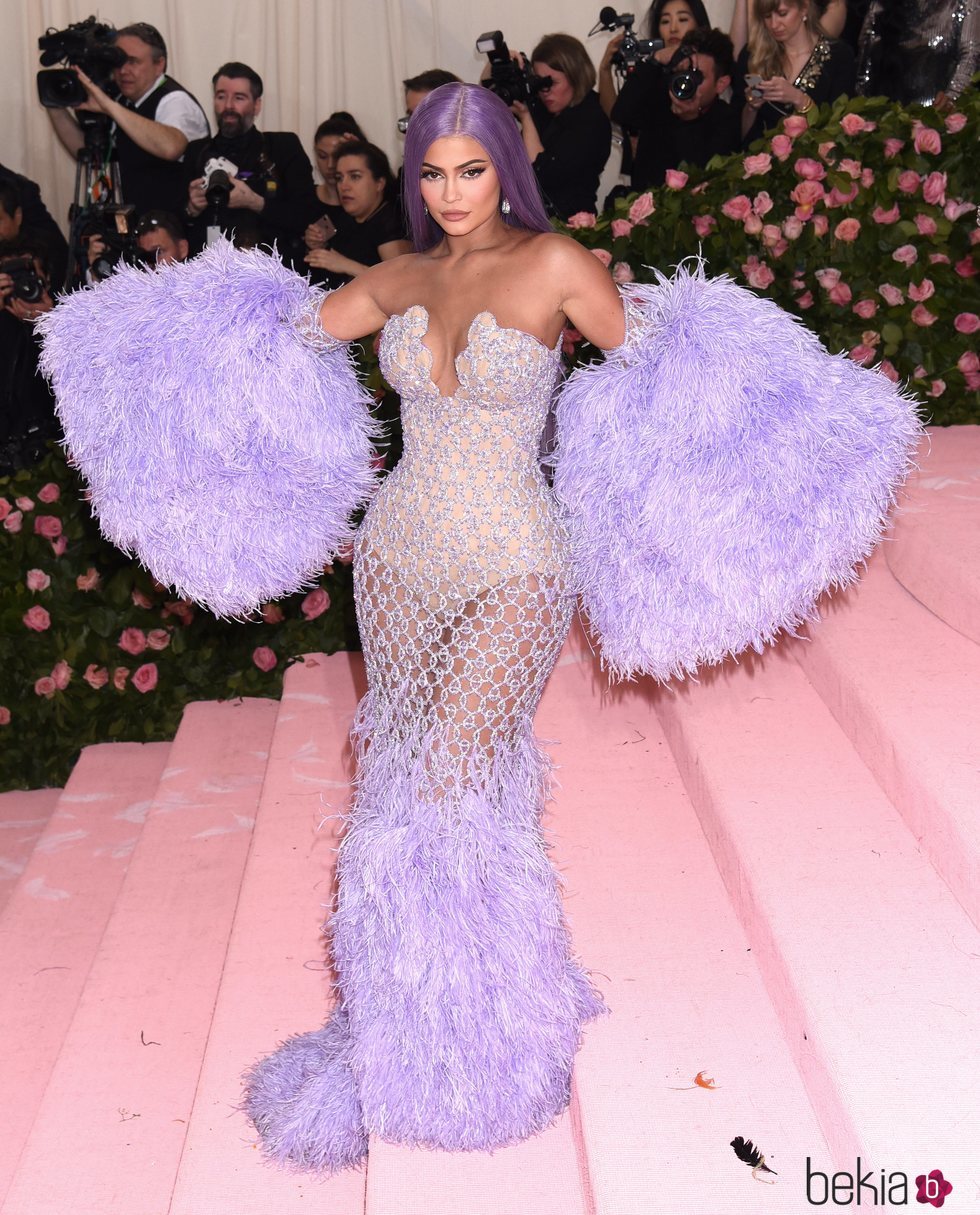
[772, 874]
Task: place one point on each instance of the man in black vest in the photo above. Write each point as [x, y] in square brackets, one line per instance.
[272, 196]
[154, 119]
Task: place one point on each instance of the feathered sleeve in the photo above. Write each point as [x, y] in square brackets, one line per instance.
[225, 439]
[718, 472]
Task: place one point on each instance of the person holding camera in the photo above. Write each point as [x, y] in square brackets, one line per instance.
[677, 108]
[159, 239]
[254, 186]
[23, 216]
[153, 120]
[668, 22]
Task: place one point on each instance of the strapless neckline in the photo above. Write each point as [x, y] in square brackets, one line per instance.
[481, 318]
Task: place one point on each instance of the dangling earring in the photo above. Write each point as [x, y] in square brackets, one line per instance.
[425, 208]
[505, 207]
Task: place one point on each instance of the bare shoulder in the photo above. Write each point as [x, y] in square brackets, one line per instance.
[586, 292]
[364, 304]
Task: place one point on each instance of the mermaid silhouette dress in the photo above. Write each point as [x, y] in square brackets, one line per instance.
[459, 1005]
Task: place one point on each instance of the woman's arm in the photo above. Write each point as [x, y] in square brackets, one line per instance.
[834, 18]
[353, 311]
[739, 33]
[587, 294]
[529, 131]
[607, 85]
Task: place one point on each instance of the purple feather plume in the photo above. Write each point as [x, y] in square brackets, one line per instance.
[220, 445]
[720, 471]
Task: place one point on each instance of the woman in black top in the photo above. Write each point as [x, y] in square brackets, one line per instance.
[565, 132]
[798, 66]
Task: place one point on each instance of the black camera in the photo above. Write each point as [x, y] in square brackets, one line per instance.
[632, 50]
[684, 81]
[28, 285]
[508, 79]
[87, 44]
[111, 224]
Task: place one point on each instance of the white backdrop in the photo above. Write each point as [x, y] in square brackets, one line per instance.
[314, 56]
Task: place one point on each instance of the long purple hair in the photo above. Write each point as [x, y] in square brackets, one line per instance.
[470, 109]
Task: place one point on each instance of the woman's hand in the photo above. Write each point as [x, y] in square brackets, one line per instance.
[612, 46]
[316, 235]
[336, 263]
[782, 92]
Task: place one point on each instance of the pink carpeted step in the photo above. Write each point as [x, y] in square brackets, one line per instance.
[274, 984]
[868, 958]
[110, 1127]
[653, 921]
[905, 687]
[935, 548]
[24, 814]
[52, 925]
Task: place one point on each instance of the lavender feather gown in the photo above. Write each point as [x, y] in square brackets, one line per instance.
[460, 1007]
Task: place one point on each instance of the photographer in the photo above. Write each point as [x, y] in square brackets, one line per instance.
[677, 109]
[23, 216]
[159, 237]
[667, 21]
[263, 192]
[27, 417]
[154, 119]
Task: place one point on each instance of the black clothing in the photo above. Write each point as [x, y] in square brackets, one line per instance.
[38, 229]
[912, 50]
[275, 166]
[27, 417]
[360, 242]
[576, 148]
[149, 182]
[666, 141]
[828, 73]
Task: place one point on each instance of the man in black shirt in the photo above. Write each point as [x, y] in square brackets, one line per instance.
[273, 197]
[23, 216]
[671, 130]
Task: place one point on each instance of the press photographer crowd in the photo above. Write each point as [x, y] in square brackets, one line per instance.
[156, 180]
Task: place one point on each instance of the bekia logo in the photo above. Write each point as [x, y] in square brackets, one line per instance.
[865, 1189]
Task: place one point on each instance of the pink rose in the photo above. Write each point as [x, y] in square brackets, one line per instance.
[48, 526]
[838, 198]
[926, 225]
[141, 600]
[49, 493]
[96, 677]
[828, 278]
[780, 247]
[975, 236]
[973, 381]
[45, 686]
[5, 508]
[570, 338]
[934, 189]
[887, 369]
[13, 521]
[795, 125]
[926, 141]
[674, 179]
[37, 580]
[820, 225]
[809, 169]
[781, 146]
[908, 181]
[891, 295]
[938, 259]
[824, 149]
[621, 227]
[752, 225]
[806, 195]
[862, 354]
[966, 267]
[922, 316]
[922, 291]
[264, 658]
[865, 309]
[58, 546]
[792, 227]
[966, 322]
[851, 167]
[893, 147]
[805, 300]
[906, 254]
[738, 208]
[25, 503]
[61, 675]
[969, 362]
[642, 208]
[847, 230]
[755, 166]
[119, 677]
[181, 608]
[133, 641]
[771, 234]
[622, 273]
[605, 257]
[841, 294]
[145, 677]
[881, 216]
[867, 178]
[758, 274]
[272, 613]
[919, 373]
[158, 639]
[4, 716]
[37, 619]
[955, 123]
[936, 388]
[315, 603]
[955, 208]
[762, 204]
[581, 219]
[703, 224]
[854, 124]
[89, 581]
